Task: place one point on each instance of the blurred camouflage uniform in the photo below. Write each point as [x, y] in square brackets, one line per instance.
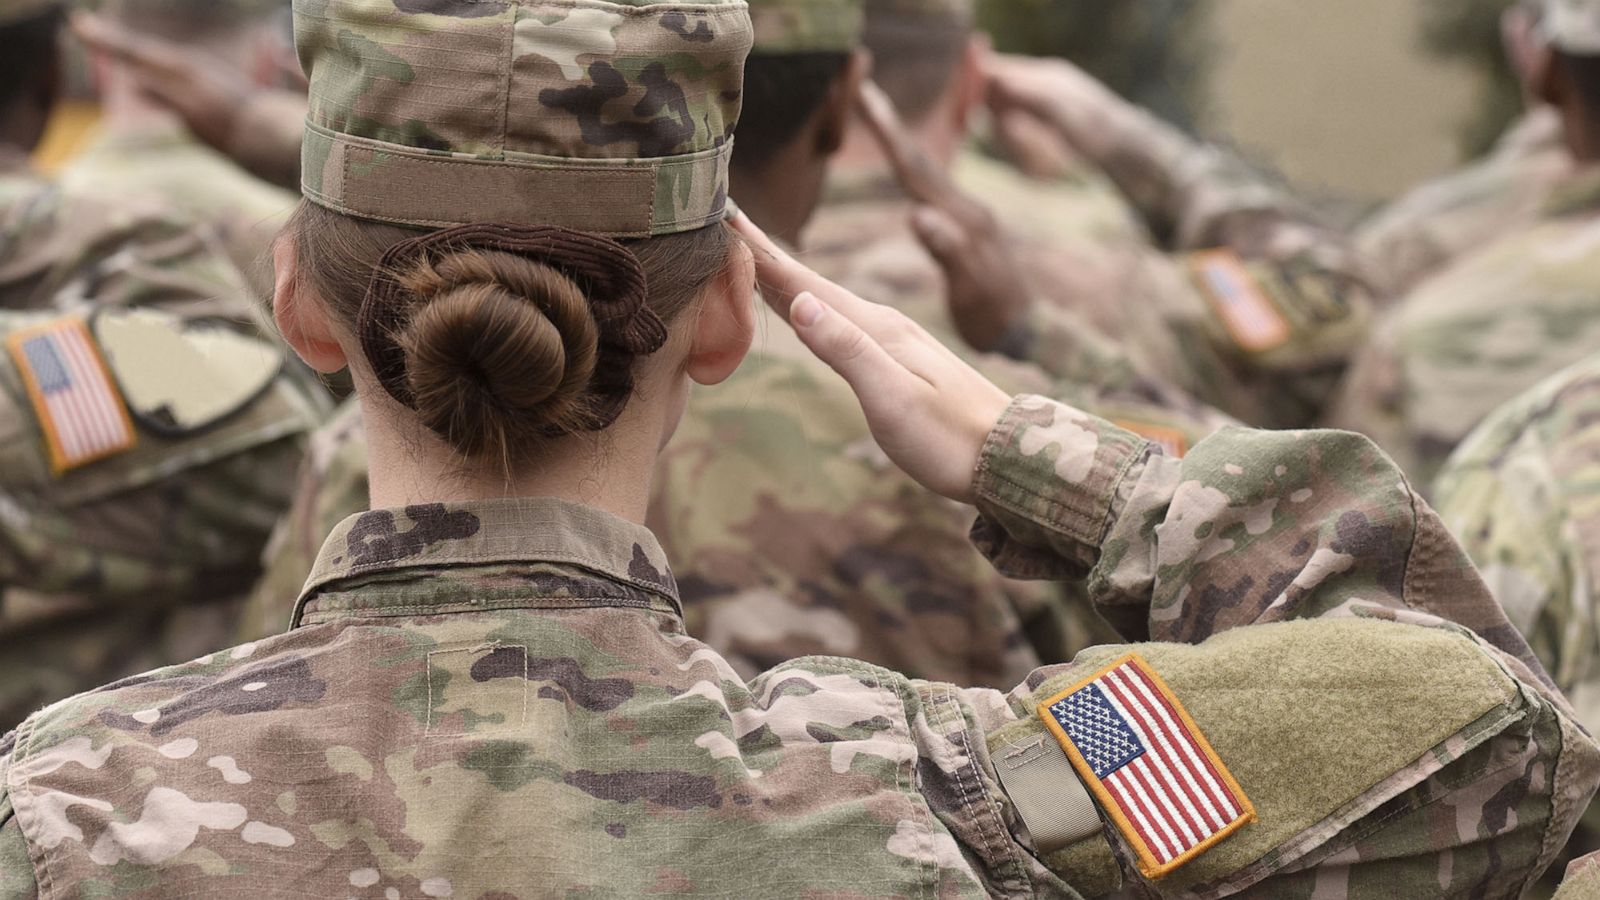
[1522, 495]
[160, 158]
[1479, 332]
[1253, 305]
[60, 249]
[1443, 220]
[498, 699]
[111, 567]
[102, 566]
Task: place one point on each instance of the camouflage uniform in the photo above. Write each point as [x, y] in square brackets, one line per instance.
[1522, 496]
[1475, 335]
[118, 565]
[1255, 305]
[385, 742]
[60, 249]
[499, 698]
[159, 158]
[1441, 221]
[791, 532]
[181, 516]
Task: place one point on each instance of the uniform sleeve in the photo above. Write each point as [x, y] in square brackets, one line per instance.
[1259, 304]
[16, 869]
[1250, 527]
[1315, 626]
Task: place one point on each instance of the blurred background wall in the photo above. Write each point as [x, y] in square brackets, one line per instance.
[1355, 99]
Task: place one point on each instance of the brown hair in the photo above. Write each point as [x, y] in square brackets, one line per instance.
[501, 350]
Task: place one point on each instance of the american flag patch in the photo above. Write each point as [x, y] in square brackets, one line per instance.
[1247, 313]
[79, 407]
[1146, 761]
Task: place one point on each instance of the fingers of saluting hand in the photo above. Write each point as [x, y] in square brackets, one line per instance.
[916, 172]
[782, 278]
[108, 37]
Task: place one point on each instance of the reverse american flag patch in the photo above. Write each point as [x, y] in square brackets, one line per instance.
[1245, 310]
[79, 407]
[1146, 761]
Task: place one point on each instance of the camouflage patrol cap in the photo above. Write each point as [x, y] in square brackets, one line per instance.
[1572, 26]
[17, 10]
[614, 118]
[806, 26]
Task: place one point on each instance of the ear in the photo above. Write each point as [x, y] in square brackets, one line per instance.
[300, 319]
[972, 82]
[839, 108]
[726, 325]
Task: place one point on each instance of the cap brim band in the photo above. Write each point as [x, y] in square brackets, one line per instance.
[615, 198]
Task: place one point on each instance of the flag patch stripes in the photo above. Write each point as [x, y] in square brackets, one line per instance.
[1252, 319]
[1145, 760]
[79, 407]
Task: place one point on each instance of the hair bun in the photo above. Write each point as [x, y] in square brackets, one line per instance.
[500, 350]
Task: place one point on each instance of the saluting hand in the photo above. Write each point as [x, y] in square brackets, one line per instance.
[987, 294]
[928, 410]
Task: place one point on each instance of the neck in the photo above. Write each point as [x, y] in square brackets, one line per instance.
[610, 470]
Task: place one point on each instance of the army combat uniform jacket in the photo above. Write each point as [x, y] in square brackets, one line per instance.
[498, 699]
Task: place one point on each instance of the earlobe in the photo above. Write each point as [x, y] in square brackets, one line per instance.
[726, 326]
[303, 325]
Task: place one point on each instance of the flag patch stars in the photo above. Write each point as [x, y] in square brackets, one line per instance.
[1145, 760]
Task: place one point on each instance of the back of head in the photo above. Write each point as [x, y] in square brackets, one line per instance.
[917, 47]
[801, 49]
[508, 202]
[29, 30]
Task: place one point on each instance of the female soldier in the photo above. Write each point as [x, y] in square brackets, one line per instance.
[514, 239]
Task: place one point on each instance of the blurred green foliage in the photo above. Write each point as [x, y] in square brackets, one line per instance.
[1151, 51]
[1467, 32]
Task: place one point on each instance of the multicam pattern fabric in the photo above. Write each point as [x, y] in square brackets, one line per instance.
[1297, 274]
[127, 161]
[459, 667]
[98, 564]
[61, 250]
[806, 26]
[612, 118]
[1478, 333]
[1441, 221]
[1522, 496]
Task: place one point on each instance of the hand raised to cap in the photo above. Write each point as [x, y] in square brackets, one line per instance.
[928, 410]
[987, 295]
[205, 93]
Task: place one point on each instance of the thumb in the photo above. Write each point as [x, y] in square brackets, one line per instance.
[839, 342]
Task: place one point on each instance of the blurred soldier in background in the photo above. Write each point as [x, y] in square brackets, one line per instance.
[142, 148]
[144, 457]
[1437, 223]
[1505, 316]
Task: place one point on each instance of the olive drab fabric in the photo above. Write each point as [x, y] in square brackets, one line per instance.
[611, 118]
[469, 665]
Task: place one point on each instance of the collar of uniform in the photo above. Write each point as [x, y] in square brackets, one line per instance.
[152, 133]
[866, 185]
[516, 553]
[1578, 193]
